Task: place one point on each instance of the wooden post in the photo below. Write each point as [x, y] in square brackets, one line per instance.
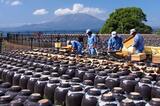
[31, 42]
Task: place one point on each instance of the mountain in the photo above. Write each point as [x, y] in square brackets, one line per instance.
[155, 28]
[72, 22]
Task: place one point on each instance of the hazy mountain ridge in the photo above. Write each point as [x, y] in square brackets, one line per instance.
[66, 22]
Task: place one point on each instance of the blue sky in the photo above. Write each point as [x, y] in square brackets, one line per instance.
[19, 12]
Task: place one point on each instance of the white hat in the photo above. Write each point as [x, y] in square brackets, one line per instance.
[114, 33]
[88, 31]
[132, 31]
[68, 42]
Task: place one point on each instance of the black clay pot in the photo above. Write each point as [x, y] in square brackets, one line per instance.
[5, 86]
[127, 102]
[71, 71]
[44, 102]
[10, 75]
[4, 66]
[150, 78]
[80, 73]
[23, 95]
[17, 65]
[137, 74]
[32, 81]
[144, 87]
[74, 96]
[156, 90]
[115, 68]
[25, 66]
[118, 93]
[48, 68]
[65, 78]
[55, 67]
[16, 77]
[16, 103]
[33, 100]
[50, 89]
[1, 70]
[38, 70]
[40, 85]
[123, 73]
[112, 81]
[107, 99]
[13, 91]
[100, 78]
[5, 100]
[54, 75]
[75, 81]
[87, 84]
[2, 93]
[46, 74]
[63, 68]
[154, 102]
[31, 68]
[102, 87]
[60, 93]
[154, 76]
[1, 81]
[91, 97]
[137, 99]
[158, 78]
[98, 69]
[128, 84]
[89, 75]
[24, 79]
[4, 73]
[108, 70]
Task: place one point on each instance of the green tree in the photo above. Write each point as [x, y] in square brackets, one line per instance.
[124, 19]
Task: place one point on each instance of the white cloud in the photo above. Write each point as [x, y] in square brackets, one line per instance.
[16, 3]
[40, 12]
[12, 2]
[79, 8]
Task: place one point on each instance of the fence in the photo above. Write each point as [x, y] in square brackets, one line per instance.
[39, 40]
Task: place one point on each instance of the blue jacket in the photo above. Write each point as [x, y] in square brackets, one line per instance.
[115, 43]
[138, 43]
[76, 45]
[91, 41]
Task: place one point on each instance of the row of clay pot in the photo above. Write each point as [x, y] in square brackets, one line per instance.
[69, 77]
[15, 96]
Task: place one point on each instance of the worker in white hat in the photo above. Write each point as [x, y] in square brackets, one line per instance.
[138, 41]
[114, 42]
[91, 42]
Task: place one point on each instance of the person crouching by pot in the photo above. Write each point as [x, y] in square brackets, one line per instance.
[138, 44]
[76, 46]
[115, 42]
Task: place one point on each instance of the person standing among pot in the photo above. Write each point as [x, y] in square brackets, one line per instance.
[91, 42]
[114, 42]
[138, 44]
[76, 46]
